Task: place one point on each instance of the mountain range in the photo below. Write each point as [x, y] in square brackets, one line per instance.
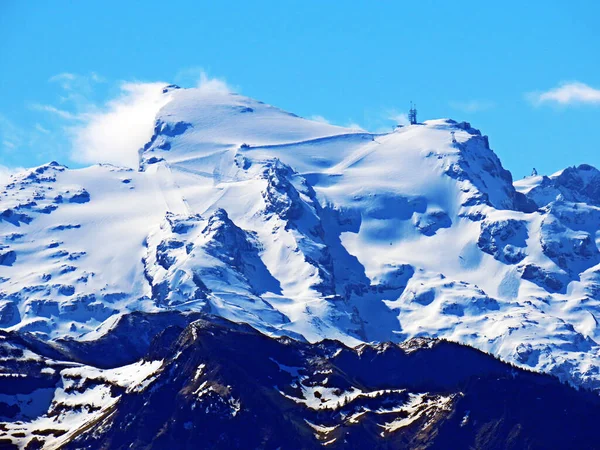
[303, 283]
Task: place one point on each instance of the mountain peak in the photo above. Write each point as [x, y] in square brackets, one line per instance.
[579, 184]
[311, 231]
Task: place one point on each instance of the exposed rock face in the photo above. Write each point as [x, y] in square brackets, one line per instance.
[505, 240]
[8, 258]
[160, 140]
[574, 184]
[227, 386]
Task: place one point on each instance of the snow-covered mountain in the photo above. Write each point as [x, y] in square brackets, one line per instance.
[312, 231]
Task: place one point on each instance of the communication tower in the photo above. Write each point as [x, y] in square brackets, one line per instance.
[412, 114]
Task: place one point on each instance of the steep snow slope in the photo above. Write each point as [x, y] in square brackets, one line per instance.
[313, 231]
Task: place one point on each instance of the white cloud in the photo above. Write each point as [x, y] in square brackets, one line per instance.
[567, 94]
[318, 118]
[472, 106]
[321, 119]
[115, 132]
[76, 96]
[188, 77]
[11, 136]
[64, 77]
[210, 85]
[63, 114]
[41, 129]
[28, 144]
[70, 81]
[6, 172]
[398, 118]
[198, 77]
[354, 126]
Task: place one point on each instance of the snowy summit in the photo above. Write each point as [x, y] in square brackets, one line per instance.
[312, 231]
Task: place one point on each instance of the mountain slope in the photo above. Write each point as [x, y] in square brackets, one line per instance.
[216, 384]
[312, 231]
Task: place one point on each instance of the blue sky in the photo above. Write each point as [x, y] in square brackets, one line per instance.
[525, 73]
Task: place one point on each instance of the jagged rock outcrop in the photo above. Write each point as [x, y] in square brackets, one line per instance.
[228, 386]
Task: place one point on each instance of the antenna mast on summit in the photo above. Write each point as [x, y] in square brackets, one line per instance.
[412, 114]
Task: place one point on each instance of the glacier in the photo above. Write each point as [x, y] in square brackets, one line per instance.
[311, 231]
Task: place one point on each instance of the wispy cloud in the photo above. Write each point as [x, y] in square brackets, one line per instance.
[6, 172]
[63, 114]
[11, 136]
[70, 81]
[46, 138]
[398, 118]
[82, 126]
[382, 120]
[354, 126]
[41, 129]
[65, 79]
[198, 77]
[318, 118]
[472, 106]
[110, 131]
[212, 85]
[115, 131]
[568, 93]
[350, 125]
[29, 144]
